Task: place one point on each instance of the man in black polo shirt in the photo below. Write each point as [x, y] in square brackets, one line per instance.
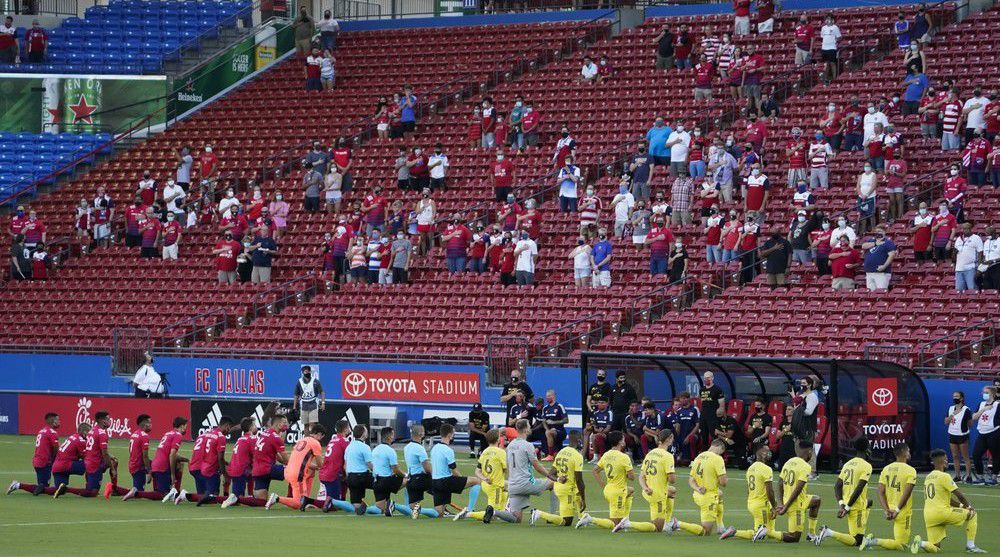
[713, 403]
[510, 389]
[730, 433]
[758, 425]
[665, 49]
[601, 390]
[20, 259]
[479, 424]
[622, 396]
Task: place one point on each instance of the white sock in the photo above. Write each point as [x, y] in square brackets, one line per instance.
[970, 544]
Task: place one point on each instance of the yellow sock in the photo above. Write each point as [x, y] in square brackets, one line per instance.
[551, 518]
[718, 517]
[477, 515]
[604, 523]
[929, 547]
[775, 535]
[691, 528]
[971, 527]
[811, 524]
[888, 543]
[744, 534]
[843, 538]
[643, 527]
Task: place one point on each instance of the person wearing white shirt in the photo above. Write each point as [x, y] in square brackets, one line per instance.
[874, 116]
[678, 142]
[589, 70]
[622, 205]
[581, 262]
[10, 55]
[525, 255]
[328, 28]
[968, 253]
[568, 180]
[830, 35]
[228, 201]
[974, 112]
[438, 164]
[173, 197]
[843, 230]
[988, 426]
[991, 260]
[148, 383]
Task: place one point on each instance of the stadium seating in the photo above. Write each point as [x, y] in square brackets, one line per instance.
[28, 157]
[130, 36]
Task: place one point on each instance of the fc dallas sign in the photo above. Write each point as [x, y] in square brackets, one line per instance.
[409, 386]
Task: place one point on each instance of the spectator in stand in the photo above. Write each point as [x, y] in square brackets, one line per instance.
[590, 213]
[656, 139]
[968, 256]
[721, 165]
[20, 259]
[943, 231]
[339, 248]
[170, 237]
[678, 142]
[777, 254]
[992, 116]
[867, 206]
[741, 19]
[36, 42]
[993, 164]
[704, 71]
[735, 74]
[408, 110]
[82, 220]
[373, 252]
[262, 250]
[765, 17]
[600, 259]
[664, 49]
[565, 147]
[256, 204]
[843, 261]
[755, 133]
[659, 240]
[769, 107]
[569, 178]
[681, 198]
[131, 222]
[357, 260]
[834, 124]
[506, 260]
[976, 151]
[149, 229]
[328, 29]
[147, 189]
[930, 113]
[799, 234]
[327, 70]
[173, 199]
[805, 40]
[508, 212]
[921, 231]
[901, 28]
[208, 165]
[487, 124]
[640, 222]
[757, 194]
[529, 124]
[419, 166]
[526, 255]
[580, 255]
[304, 28]
[502, 174]
[9, 47]
[724, 55]
[530, 219]
[312, 182]
[696, 154]
[713, 237]
[678, 261]
[438, 164]
[952, 113]
[796, 152]
[333, 185]
[401, 253]
[426, 214]
[748, 248]
[184, 163]
[514, 122]
[683, 44]
[660, 207]
[622, 205]
[588, 72]
[604, 69]
[920, 30]
[373, 207]
[640, 169]
[880, 251]
[730, 234]
[313, 71]
[456, 239]
[228, 202]
[874, 117]
[895, 178]
[382, 116]
[954, 193]
[990, 268]
[403, 180]
[819, 242]
[341, 157]
[708, 195]
[752, 75]
[820, 153]
[830, 35]
[916, 84]
[40, 263]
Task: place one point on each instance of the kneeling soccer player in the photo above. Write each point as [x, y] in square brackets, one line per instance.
[939, 490]
[568, 488]
[491, 469]
[708, 477]
[69, 459]
[305, 460]
[445, 479]
[418, 468]
[389, 479]
[798, 504]
[853, 480]
[46, 448]
[613, 472]
[895, 494]
[656, 479]
[760, 500]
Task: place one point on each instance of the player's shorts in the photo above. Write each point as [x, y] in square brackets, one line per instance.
[797, 514]
[385, 486]
[901, 527]
[264, 481]
[709, 506]
[212, 483]
[43, 474]
[569, 501]
[496, 497]
[937, 521]
[761, 515]
[958, 439]
[520, 494]
[660, 507]
[418, 485]
[334, 489]
[619, 502]
[75, 469]
[94, 479]
[857, 520]
[199, 481]
[161, 482]
[301, 487]
[139, 480]
[238, 486]
[357, 484]
[444, 488]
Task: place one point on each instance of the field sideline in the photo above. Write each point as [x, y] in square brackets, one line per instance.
[40, 526]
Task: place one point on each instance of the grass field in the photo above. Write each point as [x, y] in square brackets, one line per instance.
[75, 526]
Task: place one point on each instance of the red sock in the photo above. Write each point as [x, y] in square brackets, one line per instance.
[193, 497]
[251, 501]
[151, 495]
[81, 491]
[119, 491]
[30, 488]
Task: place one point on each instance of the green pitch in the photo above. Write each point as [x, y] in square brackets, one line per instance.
[84, 527]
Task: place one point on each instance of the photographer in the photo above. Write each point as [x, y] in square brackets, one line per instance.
[805, 417]
[148, 383]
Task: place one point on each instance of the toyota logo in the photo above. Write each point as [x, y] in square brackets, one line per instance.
[882, 396]
[355, 385]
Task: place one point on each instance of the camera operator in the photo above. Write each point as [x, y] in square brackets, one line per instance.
[805, 416]
[148, 383]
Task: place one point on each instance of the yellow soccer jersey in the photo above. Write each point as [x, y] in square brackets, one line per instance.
[493, 463]
[794, 471]
[657, 467]
[895, 477]
[706, 470]
[854, 472]
[616, 466]
[567, 463]
[757, 477]
[938, 487]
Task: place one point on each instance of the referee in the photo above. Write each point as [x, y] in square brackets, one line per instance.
[358, 465]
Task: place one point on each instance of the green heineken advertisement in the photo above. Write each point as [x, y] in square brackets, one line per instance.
[227, 68]
[79, 103]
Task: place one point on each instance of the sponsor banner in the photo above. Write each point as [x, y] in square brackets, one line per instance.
[78, 103]
[409, 386]
[205, 415]
[75, 410]
[8, 414]
[883, 396]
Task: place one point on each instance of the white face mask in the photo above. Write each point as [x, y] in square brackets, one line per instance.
[279, 197]
[943, 209]
[841, 223]
[678, 245]
[868, 170]
[416, 151]
[954, 172]
[826, 226]
[680, 128]
[922, 211]
[831, 108]
[208, 149]
[518, 103]
[756, 172]
[802, 218]
[871, 110]
[499, 157]
[230, 194]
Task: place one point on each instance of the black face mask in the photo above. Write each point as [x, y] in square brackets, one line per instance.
[307, 376]
[601, 379]
[956, 401]
[565, 134]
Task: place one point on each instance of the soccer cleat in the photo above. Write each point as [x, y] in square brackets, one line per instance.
[108, 489]
[978, 480]
[811, 538]
[130, 494]
[415, 511]
[302, 504]
[991, 480]
[182, 496]
[535, 515]
[584, 520]
[974, 549]
[170, 496]
[230, 501]
[389, 508]
[824, 533]
[914, 546]
[14, 486]
[730, 532]
[760, 534]
[673, 525]
[361, 510]
[472, 455]
[271, 500]
[59, 491]
[488, 514]
[866, 542]
[623, 524]
[461, 514]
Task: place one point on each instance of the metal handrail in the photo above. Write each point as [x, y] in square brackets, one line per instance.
[244, 15]
[540, 347]
[926, 353]
[222, 320]
[259, 303]
[635, 310]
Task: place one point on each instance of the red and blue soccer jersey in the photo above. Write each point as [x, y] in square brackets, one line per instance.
[161, 459]
[333, 459]
[240, 464]
[138, 444]
[71, 450]
[265, 451]
[215, 445]
[46, 446]
[198, 453]
[97, 443]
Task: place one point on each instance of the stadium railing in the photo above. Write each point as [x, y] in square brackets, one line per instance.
[278, 297]
[194, 44]
[193, 328]
[967, 343]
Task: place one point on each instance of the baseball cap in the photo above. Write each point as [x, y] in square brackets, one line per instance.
[477, 407]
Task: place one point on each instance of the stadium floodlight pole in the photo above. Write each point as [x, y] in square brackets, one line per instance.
[835, 411]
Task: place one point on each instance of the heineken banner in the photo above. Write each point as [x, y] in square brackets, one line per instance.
[78, 103]
[228, 67]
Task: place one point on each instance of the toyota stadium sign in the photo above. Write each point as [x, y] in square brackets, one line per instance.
[883, 396]
[409, 386]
